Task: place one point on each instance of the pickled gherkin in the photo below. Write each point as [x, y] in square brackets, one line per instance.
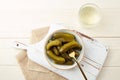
[77, 54]
[65, 55]
[69, 62]
[70, 45]
[55, 42]
[55, 50]
[64, 37]
[57, 59]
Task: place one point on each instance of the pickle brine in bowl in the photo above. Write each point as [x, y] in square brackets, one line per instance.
[60, 44]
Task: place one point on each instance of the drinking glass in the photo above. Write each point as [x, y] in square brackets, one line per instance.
[89, 15]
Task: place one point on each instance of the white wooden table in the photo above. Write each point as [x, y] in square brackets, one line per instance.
[19, 17]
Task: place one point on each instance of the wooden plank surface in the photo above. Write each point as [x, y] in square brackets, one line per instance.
[11, 73]
[109, 73]
[19, 17]
[23, 21]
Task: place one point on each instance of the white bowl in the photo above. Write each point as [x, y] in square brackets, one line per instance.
[79, 40]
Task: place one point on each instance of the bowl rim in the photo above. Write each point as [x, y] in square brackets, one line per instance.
[81, 54]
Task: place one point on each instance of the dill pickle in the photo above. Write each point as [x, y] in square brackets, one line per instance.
[55, 50]
[57, 62]
[77, 54]
[55, 42]
[64, 37]
[69, 62]
[58, 47]
[57, 59]
[70, 45]
[65, 55]
[66, 63]
[71, 50]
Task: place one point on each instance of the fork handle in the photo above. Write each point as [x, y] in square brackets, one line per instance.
[80, 69]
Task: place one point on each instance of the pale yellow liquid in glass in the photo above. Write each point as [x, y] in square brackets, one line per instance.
[89, 15]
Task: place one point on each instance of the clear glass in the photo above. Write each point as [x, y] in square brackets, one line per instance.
[89, 14]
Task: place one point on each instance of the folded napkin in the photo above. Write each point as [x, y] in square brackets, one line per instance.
[34, 71]
[92, 62]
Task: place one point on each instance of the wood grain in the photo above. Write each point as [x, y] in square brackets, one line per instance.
[23, 21]
[19, 17]
[11, 73]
